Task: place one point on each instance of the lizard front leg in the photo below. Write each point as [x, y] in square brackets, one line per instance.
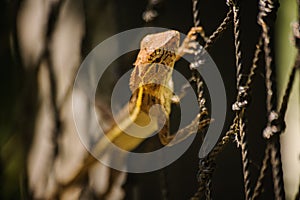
[169, 140]
[189, 44]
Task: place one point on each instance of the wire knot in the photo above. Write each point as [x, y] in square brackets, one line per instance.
[206, 169]
[276, 125]
[267, 12]
[232, 3]
[242, 99]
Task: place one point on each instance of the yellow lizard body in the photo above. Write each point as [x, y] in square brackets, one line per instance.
[151, 84]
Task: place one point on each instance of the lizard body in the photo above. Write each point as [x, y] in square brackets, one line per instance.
[151, 84]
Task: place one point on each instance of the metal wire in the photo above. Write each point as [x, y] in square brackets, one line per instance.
[216, 34]
[264, 167]
[288, 89]
[237, 130]
[238, 56]
[245, 160]
[266, 19]
[266, 8]
[276, 164]
[207, 165]
[209, 43]
[196, 18]
[241, 103]
[255, 61]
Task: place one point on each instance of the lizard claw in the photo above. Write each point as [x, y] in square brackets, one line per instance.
[175, 99]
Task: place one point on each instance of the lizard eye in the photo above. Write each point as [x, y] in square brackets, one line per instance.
[157, 60]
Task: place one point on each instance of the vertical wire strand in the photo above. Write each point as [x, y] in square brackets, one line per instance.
[245, 160]
[289, 87]
[255, 61]
[259, 184]
[238, 54]
[240, 112]
[207, 164]
[277, 172]
[197, 57]
[196, 19]
[266, 8]
[199, 84]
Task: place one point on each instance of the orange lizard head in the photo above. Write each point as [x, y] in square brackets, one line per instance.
[159, 48]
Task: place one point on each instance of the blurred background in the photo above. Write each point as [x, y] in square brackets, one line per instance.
[42, 45]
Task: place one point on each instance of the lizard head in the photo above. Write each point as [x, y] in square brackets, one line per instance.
[159, 48]
[155, 61]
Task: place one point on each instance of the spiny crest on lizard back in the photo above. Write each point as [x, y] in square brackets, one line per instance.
[159, 48]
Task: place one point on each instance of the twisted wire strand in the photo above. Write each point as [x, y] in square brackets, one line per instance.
[197, 58]
[255, 61]
[210, 41]
[199, 84]
[238, 54]
[276, 164]
[221, 28]
[207, 164]
[240, 111]
[196, 18]
[229, 136]
[289, 87]
[206, 169]
[245, 160]
[259, 184]
[198, 195]
[244, 148]
[200, 92]
[208, 192]
[266, 7]
[268, 60]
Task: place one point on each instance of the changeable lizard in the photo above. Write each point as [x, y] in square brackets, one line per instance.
[151, 84]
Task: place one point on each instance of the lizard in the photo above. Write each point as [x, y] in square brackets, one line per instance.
[151, 84]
